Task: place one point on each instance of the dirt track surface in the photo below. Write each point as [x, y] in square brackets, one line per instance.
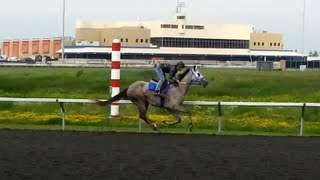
[27, 154]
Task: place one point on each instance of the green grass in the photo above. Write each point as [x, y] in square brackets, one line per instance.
[244, 85]
[224, 85]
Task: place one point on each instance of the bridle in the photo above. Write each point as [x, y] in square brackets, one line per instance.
[197, 80]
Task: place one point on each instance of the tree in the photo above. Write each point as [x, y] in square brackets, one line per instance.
[314, 53]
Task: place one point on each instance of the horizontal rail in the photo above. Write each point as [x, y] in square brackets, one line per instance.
[264, 104]
[199, 103]
[61, 102]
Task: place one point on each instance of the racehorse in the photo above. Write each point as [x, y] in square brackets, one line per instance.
[139, 94]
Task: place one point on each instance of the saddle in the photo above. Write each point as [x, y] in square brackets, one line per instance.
[163, 89]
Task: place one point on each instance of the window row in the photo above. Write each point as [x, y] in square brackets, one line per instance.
[142, 40]
[262, 44]
[192, 27]
[169, 26]
[200, 43]
[174, 26]
[127, 40]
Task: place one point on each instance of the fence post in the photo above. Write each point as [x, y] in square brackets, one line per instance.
[219, 117]
[140, 125]
[115, 76]
[302, 119]
[63, 112]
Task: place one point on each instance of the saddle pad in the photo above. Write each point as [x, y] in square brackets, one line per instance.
[166, 89]
[152, 86]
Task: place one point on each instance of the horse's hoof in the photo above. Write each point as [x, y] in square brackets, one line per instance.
[154, 127]
[157, 130]
[190, 127]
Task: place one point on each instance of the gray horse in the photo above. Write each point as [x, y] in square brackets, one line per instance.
[139, 94]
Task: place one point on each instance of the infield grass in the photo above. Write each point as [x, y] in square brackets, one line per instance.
[224, 85]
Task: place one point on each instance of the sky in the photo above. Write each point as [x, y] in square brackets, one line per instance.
[43, 18]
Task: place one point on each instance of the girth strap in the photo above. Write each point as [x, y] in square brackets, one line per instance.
[161, 101]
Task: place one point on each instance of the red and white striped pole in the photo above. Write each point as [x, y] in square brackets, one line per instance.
[115, 75]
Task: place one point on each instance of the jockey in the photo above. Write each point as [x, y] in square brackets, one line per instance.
[163, 68]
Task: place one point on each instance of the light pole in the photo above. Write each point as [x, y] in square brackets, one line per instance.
[63, 28]
[303, 24]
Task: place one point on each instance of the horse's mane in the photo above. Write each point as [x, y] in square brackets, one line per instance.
[184, 72]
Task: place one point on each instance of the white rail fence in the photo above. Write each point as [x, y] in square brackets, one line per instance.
[219, 105]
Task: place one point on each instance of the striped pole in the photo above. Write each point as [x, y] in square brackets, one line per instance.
[115, 76]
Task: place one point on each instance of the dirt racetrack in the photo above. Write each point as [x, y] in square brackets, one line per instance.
[28, 154]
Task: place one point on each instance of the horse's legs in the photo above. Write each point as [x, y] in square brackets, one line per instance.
[143, 108]
[177, 114]
[190, 121]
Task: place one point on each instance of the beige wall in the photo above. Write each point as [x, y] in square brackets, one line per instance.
[266, 41]
[88, 34]
[210, 31]
[129, 36]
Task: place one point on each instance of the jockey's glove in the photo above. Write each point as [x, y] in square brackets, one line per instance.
[174, 82]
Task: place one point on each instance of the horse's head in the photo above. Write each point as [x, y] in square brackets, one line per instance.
[197, 78]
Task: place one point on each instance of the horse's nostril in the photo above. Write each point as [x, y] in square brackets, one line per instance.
[205, 83]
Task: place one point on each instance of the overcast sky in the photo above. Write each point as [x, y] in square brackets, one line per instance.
[43, 18]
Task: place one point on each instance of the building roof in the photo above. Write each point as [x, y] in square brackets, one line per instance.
[185, 51]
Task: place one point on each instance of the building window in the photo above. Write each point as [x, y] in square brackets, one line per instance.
[262, 44]
[200, 43]
[189, 27]
[198, 27]
[174, 26]
[181, 17]
[147, 40]
[35, 47]
[194, 27]
[258, 43]
[278, 44]
[275, 44]
[255, 43]
[270, 44]
[104, 39]
[121, 39]
[137, 40]
[165, 25]
[141, 40]
[25, 47]
[46, 46]
[127, 40]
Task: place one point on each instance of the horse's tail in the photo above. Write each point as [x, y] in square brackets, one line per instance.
[121, 95]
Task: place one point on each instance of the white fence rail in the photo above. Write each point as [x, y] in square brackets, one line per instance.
[61, 102]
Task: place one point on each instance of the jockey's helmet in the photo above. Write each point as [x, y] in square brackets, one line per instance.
[180, 65]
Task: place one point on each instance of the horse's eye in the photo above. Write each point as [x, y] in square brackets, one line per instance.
[199, 74]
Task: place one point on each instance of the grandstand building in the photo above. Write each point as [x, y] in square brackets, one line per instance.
[178, 39]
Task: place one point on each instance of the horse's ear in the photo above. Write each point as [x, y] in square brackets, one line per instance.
[194, 67]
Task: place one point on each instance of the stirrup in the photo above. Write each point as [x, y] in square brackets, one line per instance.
[159, 94]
